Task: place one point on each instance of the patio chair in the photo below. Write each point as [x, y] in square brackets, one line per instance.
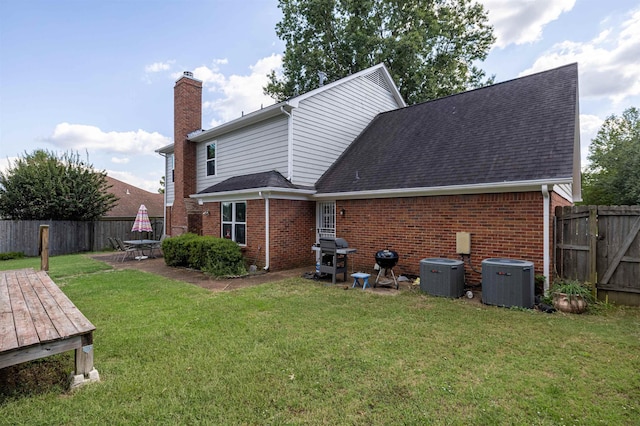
[113, 244]
[126, 249]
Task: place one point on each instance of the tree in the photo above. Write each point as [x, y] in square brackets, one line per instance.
[613, 174]
[429, 46]
[41, 186]
[161, 189]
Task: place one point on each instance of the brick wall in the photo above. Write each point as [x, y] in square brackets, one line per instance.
[501, 226]
[292, 232]
[187, 105]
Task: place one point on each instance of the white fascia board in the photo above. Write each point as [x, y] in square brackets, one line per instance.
[167, 149]
[239, 123]
[294, 102]
[257, 193]
[498, 187]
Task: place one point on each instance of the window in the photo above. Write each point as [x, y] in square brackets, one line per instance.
[211, 159]
[172, 166]
[234, 222]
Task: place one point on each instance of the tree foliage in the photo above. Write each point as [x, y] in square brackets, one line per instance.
[613, 174]
[429, 46]
[41, 186]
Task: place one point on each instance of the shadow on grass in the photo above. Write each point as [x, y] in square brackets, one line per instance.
[36, 377]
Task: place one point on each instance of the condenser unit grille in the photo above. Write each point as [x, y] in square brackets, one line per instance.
[508, 282]
[442, 277]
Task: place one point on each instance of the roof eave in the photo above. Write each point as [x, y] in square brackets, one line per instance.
[256, 193]
[497, 187]
[244, 121]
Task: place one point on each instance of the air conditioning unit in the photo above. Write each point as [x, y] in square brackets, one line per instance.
[442, 277]
[508, 282]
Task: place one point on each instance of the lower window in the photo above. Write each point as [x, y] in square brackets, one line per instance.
[234, 221]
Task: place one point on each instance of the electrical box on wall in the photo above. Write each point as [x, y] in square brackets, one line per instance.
[463, 243]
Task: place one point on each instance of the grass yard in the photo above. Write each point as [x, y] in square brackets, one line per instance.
[302, 352]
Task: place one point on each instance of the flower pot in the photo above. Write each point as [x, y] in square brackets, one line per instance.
[570, 303]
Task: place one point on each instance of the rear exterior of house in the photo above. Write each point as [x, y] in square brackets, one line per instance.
[350, 160]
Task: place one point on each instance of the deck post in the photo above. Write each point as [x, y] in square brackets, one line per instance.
[85, 372]
[44, 247]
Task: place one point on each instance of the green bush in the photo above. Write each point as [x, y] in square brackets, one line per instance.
[11, 255]
[216, 256]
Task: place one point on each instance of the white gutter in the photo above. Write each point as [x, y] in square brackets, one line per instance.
[265, 195]
[289, 142]
[545, 238]
[164, 196]
[479, 188]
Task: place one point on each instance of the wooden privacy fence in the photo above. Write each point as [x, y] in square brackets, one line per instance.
[69, 236]
[601, 245]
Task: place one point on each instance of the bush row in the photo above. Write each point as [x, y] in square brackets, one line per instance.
[216, 256]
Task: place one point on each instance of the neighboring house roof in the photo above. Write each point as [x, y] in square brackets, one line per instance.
[522, 130]
[129, 199]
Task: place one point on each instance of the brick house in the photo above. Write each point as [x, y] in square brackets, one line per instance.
[350, 159]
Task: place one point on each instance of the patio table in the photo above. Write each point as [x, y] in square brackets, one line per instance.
[143, 245]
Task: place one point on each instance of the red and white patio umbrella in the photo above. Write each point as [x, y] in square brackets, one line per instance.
[142, 222]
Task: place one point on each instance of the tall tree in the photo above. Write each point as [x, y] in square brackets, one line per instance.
[613, 174]
[42, 186]
[429, 46]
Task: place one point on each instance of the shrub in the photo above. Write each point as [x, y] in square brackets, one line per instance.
[11, 255]
[216, 256]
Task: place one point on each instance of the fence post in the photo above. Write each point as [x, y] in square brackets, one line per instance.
[593, 248]
[44, 247]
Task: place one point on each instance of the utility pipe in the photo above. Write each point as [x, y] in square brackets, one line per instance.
[545, 240]
[266, 229]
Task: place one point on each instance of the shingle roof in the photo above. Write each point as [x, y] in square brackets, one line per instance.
[130, 197]
[272, 179]
[519, 130]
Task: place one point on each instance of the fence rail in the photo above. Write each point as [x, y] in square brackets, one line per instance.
[601, 244]
[69, 236]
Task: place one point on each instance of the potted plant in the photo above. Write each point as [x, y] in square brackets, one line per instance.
[571, 296]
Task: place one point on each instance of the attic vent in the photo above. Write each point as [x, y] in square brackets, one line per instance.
[376, 78]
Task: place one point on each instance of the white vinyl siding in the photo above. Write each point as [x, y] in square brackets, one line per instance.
[168, 178]
[325, 124]
[261, 147]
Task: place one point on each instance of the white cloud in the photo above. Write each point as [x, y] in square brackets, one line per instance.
[608, 64]
[522, 21]
[78, 137]
[150, 184]
[5, 162]
[589, 126]
[120, 160]
[158, 67]
[228, 96]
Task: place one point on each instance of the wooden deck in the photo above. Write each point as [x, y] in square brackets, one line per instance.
[37, 320]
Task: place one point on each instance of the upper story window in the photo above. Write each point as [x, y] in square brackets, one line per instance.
[234, 221]
[211, 159]
[172, 166]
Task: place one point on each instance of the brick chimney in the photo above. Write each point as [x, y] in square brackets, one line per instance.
[187, 117]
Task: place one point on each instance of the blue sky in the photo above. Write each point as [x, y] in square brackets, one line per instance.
[97, 76]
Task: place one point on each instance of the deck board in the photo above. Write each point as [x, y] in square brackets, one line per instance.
[37, 319]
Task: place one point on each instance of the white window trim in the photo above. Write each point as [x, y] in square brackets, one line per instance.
[214, 159]
[233, 222]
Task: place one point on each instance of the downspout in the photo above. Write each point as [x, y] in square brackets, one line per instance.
[545, 243]
[289, 142]
[164, 197]
[266, 229]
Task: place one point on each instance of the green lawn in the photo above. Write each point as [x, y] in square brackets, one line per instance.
[303, 352]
